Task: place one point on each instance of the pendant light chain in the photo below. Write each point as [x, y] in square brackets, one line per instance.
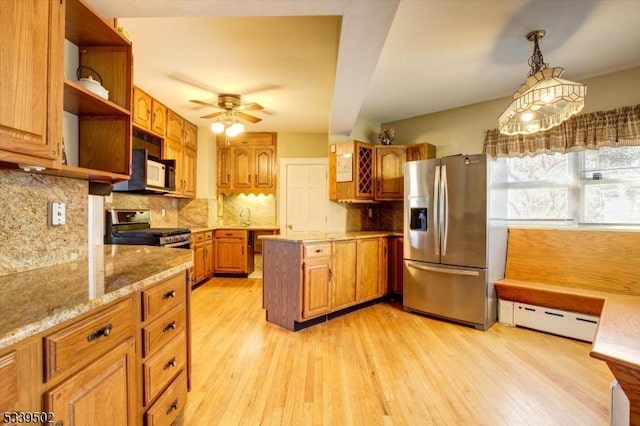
[536, 61]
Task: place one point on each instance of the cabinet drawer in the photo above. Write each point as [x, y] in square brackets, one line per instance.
[198, 237]
[317, 250]
[164, 328]
[230, 233]
[163, 296]
[170, 404]
[163, 366]
[88, 339]
[208, 236]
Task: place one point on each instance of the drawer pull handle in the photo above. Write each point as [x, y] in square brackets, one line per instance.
[169, 295]
[228, 234]
[170, 363]
[170, 326]
[319, 250]
[104, 331]
[173, 406]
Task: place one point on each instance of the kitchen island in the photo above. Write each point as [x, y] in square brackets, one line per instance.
[309, 278]
[112, 327]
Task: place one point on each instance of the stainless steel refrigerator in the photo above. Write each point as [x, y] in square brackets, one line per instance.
[455, 237]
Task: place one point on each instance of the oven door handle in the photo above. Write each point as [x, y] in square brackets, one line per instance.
[184, 244]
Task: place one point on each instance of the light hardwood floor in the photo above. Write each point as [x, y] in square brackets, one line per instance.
[381, 366]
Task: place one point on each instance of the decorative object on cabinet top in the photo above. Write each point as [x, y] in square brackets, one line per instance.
[387, 136]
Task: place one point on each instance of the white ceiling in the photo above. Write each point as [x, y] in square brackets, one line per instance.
[318, 65]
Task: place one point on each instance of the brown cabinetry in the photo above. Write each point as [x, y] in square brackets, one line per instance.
[352, 168]
[396, 265]
[164, 352]
[316, 281]
[233, 251]
[31, 121]
[89, 362]
[343, 291]
[321, 277]
[148, 113]
[102, 390]
[202, 244]
[420, 151]
[31, 105]
[180, 145]
[389, 172]
[247, 164]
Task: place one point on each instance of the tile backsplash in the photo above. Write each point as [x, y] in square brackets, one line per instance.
[234, 211]
[28, 241]
[375, 216]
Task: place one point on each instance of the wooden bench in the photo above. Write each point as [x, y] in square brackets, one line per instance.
[569, 269]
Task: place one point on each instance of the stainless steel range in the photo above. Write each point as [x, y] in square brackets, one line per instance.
[134, 227]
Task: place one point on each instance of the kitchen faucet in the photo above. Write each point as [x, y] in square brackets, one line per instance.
[247, 220]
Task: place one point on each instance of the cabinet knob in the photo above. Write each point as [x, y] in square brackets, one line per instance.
[169, 295]
[170, 326]
[104, 331]
[173, 406]
[171, 363]
[290, 226]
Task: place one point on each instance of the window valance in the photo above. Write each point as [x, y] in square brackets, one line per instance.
[617, 127]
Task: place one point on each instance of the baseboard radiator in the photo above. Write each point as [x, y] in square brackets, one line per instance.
[555, 321]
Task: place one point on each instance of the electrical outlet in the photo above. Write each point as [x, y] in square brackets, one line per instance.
[370, 213]
[57, 214]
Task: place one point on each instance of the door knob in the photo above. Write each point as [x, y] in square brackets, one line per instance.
[290, 226]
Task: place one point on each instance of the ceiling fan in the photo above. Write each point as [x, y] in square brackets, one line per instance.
[231, 109]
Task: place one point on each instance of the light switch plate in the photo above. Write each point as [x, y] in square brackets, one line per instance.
[57, 214]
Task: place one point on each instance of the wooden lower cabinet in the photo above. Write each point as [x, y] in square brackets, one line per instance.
[232, 251]
[396, 262]
[202, 246]
[316, 287]
[164, 354]
[343, 292]
[368, 267]
[99, 394]
[306, 280]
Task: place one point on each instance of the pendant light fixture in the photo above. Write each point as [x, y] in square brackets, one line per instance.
[544, 100]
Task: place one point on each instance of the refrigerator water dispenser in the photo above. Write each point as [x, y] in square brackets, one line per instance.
[418, 220]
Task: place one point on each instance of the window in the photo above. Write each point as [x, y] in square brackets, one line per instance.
[589, 187]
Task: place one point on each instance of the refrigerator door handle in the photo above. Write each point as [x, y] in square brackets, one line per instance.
[444, 206]
[436, 219]
[442, 270]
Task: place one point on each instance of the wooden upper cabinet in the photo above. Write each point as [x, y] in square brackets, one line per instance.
[390, 172]
[190, 135]
[175, 127]
[31, 55]
[189, 172]
[141, 109]
[420, 151]
[352, 166]
[247, 168]
[158, 118]
[264, 169]
[224, 168]
[242, 167]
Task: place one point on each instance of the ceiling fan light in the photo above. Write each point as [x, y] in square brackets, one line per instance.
[217, 127]
[238, 127]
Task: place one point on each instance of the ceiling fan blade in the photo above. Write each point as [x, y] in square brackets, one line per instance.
[213, 115]
[248, 117]
[195, 101]
[249, 107]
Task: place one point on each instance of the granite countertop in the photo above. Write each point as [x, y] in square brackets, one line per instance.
[33, 301]
[330, 236]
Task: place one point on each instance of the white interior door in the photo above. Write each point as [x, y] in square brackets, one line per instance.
[304, 196]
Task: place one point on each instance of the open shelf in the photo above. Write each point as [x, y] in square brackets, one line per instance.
[80, 101]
